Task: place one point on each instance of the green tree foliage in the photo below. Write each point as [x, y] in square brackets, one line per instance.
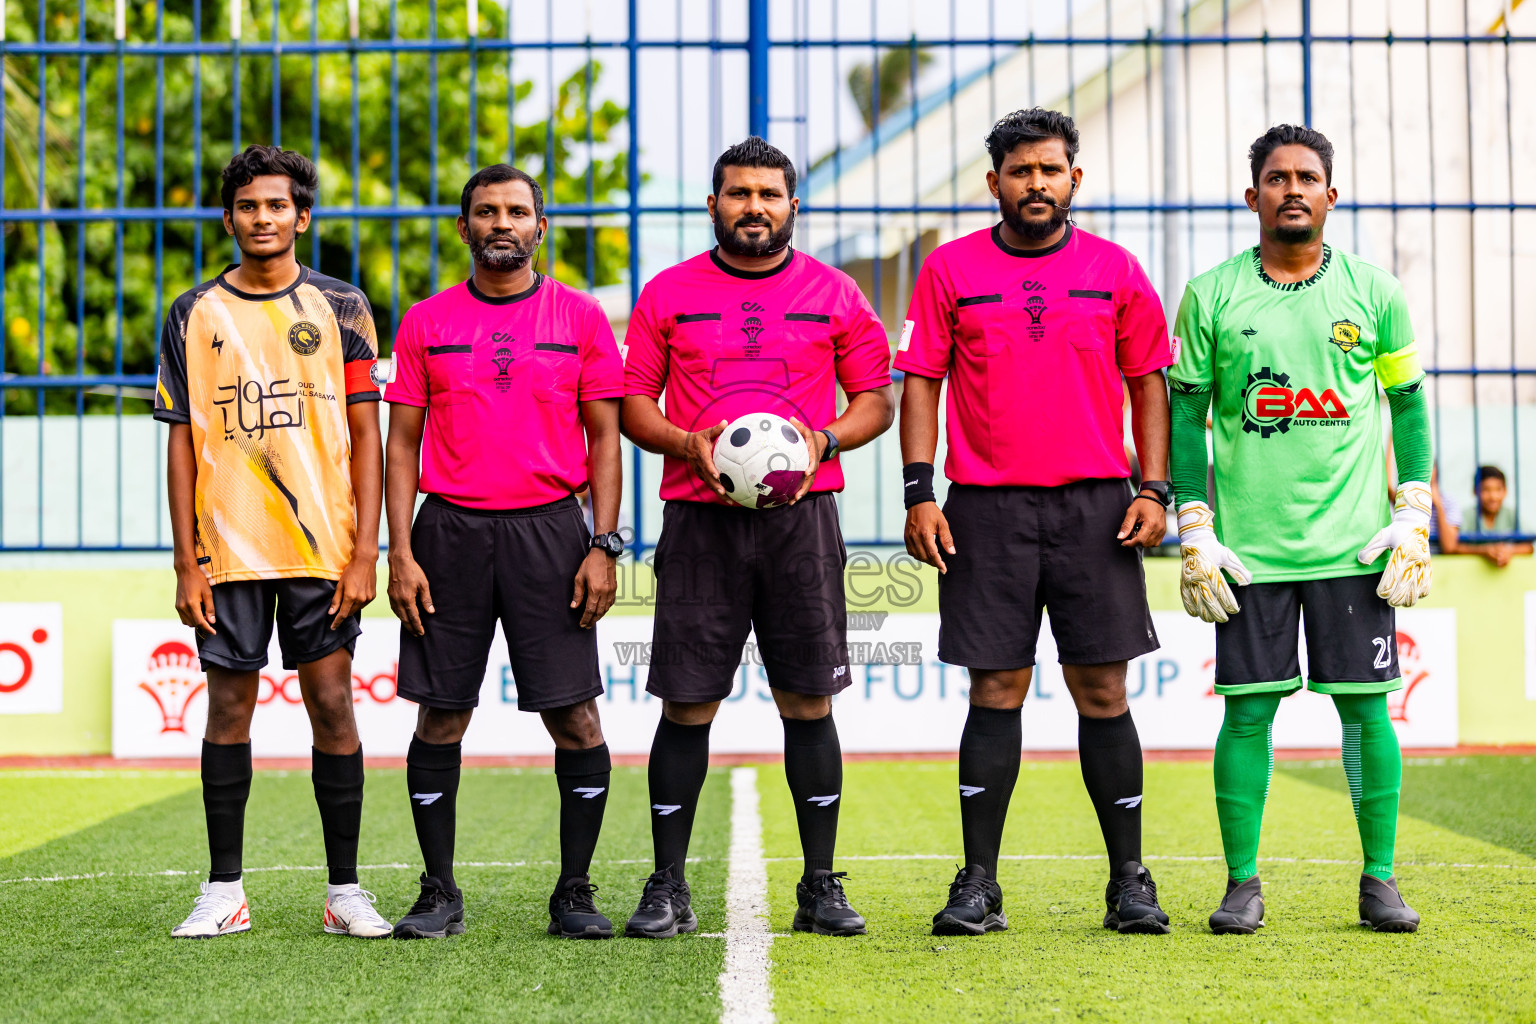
[898, 70]
[567, 136]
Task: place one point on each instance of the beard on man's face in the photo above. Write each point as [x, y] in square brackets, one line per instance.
[1291, 233]
[1034, 230]
[502, 258]
[1295, 234]
[734, 241]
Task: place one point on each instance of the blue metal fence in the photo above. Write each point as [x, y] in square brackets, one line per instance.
[117, 120]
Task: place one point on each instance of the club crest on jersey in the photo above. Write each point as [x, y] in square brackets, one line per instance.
[1346, 335]
[752, 327]
[304, 338]
[1271, 405]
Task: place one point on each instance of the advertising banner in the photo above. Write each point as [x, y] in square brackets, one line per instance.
[901, 697]
[31, 659]
[1530, 645]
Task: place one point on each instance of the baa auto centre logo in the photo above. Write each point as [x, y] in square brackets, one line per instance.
[31, 658]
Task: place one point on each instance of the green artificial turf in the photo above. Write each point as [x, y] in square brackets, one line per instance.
[39, 805]
[1474, 959]
[1490, 798]
[98, 948]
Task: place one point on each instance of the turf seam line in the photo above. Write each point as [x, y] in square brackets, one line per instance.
[745, 997]
[100, 773]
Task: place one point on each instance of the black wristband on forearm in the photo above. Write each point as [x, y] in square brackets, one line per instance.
[917, 483]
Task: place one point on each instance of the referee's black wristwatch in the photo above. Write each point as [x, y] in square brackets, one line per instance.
[832, 445]
[611, 544]
[1157, 490]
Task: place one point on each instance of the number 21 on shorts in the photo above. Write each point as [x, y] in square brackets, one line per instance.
[1383, 651]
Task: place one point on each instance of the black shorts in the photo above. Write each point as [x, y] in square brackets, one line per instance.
[1020, 550]
[723, 571]
[518, 566]
[1351, 638]
[244, 611]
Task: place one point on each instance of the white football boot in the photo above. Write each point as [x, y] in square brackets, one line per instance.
[220, 910]
[349, 911]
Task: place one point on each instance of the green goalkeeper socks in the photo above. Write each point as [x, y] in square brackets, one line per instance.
[1245, 759]
[1373, 764]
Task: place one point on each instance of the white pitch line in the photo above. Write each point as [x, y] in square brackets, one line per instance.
[1153, 856]
[174, 872]
[744, 994]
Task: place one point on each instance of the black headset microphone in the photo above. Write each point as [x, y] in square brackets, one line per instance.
[1068, 207]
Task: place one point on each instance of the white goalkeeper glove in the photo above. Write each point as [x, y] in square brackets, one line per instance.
[1205, 591]
[1408, 573]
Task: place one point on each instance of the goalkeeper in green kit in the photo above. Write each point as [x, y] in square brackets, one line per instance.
[1285, 344]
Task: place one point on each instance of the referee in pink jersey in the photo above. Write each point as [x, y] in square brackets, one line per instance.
[504, 403]
[751, 326]
[1039, 327]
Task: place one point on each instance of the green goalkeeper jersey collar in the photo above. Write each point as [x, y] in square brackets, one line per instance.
[1293, 286]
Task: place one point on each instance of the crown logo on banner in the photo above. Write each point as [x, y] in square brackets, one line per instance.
[1411, 660]
[174, 679]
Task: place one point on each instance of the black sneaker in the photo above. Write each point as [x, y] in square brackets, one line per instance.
[573, 915]
[1132, 901]
[975, 905]
[824, 907]
[1242, 908]
[665, 908]
[438, 913]
[1383, 909]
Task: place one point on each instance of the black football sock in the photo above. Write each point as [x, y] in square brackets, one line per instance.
[813, 764]
[1110, 752]
[583, 777]
[989, 766]
[338, 780]
[679, 763]
[432, 780]
[226, 788]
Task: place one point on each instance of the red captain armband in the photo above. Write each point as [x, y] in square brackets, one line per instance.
[363, 376]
